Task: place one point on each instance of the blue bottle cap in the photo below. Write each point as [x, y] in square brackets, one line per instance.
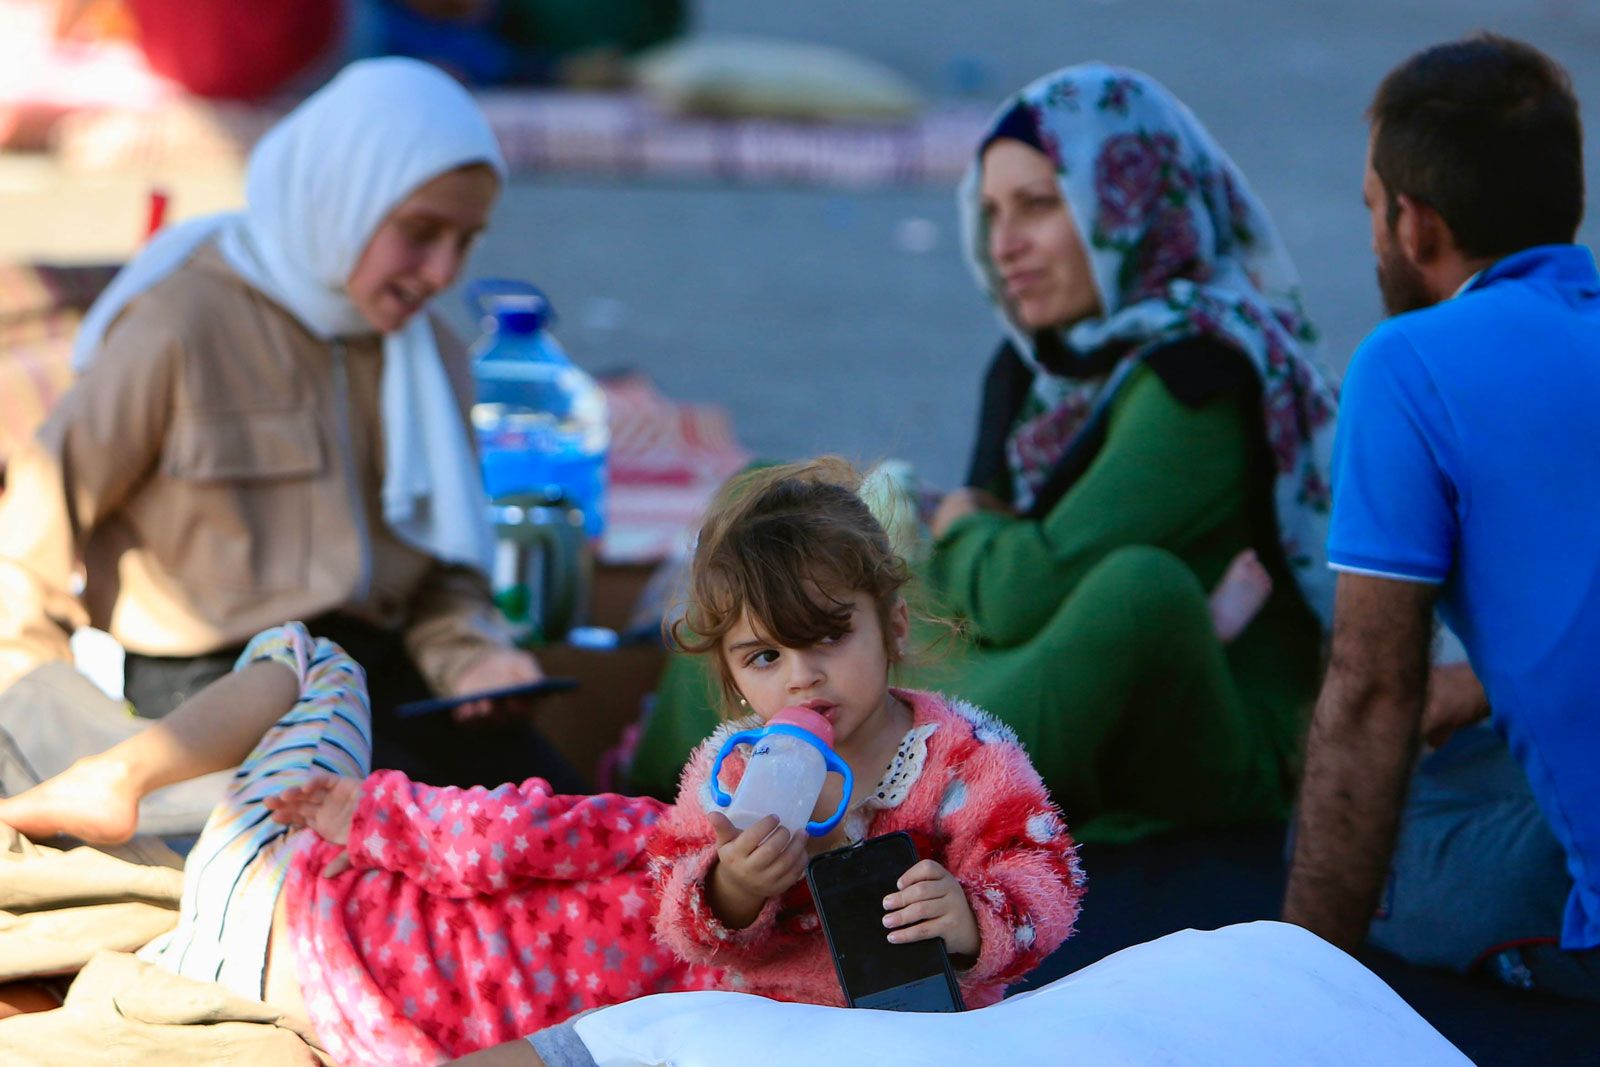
[510, 305]
[521, 314]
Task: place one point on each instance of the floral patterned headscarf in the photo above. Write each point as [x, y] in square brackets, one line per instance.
[1179, 247]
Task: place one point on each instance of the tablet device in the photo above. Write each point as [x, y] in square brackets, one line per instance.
[527, 689]
[848, 886]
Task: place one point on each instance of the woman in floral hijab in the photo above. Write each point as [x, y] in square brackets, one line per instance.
[1151, 418]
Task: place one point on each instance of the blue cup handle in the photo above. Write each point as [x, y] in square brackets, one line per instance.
[719, 794]
[834, 763]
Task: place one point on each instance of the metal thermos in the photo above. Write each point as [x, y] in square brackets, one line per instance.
[543, 565]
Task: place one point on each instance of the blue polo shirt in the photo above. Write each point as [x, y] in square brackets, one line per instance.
[1468, 455]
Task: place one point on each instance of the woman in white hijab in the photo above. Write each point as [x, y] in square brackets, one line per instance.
[269, 426]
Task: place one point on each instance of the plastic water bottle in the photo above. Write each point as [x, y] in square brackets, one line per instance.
[541, 422]
[792, 756]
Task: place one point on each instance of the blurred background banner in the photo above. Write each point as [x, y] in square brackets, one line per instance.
[750, 202]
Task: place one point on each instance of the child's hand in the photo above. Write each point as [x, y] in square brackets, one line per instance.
[752, 867]
[931, 903]
[325, 802]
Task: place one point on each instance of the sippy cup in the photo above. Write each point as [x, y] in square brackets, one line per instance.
[784, 774]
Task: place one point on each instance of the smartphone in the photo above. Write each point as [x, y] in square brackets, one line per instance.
[526, 689]
[848, 886]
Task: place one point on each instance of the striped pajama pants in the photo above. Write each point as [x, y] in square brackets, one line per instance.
[232, 877]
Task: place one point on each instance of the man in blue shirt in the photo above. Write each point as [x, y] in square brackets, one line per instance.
[1467, 479]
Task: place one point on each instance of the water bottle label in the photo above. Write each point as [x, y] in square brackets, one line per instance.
[541, 423]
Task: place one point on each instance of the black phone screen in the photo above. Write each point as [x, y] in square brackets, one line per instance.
[526, 689]
[848, 886]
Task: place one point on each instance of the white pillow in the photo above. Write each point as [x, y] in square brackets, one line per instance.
[1255, 994]
[754, 76]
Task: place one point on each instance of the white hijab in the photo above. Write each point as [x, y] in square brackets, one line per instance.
[317, 187]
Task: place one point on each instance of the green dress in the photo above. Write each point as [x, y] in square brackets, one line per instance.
[1088, 631]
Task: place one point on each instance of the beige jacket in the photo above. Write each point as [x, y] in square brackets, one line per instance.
[217, 471]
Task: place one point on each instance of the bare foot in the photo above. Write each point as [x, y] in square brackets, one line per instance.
[1236, 599]
[94, 800]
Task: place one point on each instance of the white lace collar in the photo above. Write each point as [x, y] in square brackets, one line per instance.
[892, 789]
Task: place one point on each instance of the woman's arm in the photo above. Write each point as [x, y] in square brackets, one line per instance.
[518, 1053]
[554, 1046]
[1165, 472]
[453, 626]
[99, 443]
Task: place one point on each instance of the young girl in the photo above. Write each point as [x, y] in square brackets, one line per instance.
[416, 923]
[796, 597]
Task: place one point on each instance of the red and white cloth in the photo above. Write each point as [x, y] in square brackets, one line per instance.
[667, 460]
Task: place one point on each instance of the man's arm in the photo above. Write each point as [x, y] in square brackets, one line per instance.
[1359, 756]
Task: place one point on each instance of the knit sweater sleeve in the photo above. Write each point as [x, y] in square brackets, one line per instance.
[464, 842]
[1010, 849]
[683, 852]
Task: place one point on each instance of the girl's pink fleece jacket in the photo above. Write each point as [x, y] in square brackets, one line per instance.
[977, 806]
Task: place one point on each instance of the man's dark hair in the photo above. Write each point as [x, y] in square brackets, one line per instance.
[1485, 131]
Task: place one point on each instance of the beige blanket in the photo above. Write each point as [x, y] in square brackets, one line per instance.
[59, 907]
[126, 1012]
[86, 908]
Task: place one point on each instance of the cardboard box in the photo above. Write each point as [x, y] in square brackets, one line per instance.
[612, 683]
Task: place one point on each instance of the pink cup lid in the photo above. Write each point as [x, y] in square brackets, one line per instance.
[806, 719]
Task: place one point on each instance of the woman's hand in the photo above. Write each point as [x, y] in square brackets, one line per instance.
[931, 903]
[753, 866]
[497, 669]
[962, 502]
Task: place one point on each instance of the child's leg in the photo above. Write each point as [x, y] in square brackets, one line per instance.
[97, 798]
[233, 875]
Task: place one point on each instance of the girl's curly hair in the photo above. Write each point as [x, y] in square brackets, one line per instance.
[789, 545]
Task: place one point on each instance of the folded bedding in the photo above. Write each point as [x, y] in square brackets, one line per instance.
[1256, 993]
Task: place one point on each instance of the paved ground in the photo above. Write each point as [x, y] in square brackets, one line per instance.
[807, 312]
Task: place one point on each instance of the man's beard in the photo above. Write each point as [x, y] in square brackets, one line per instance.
[1401, 283]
